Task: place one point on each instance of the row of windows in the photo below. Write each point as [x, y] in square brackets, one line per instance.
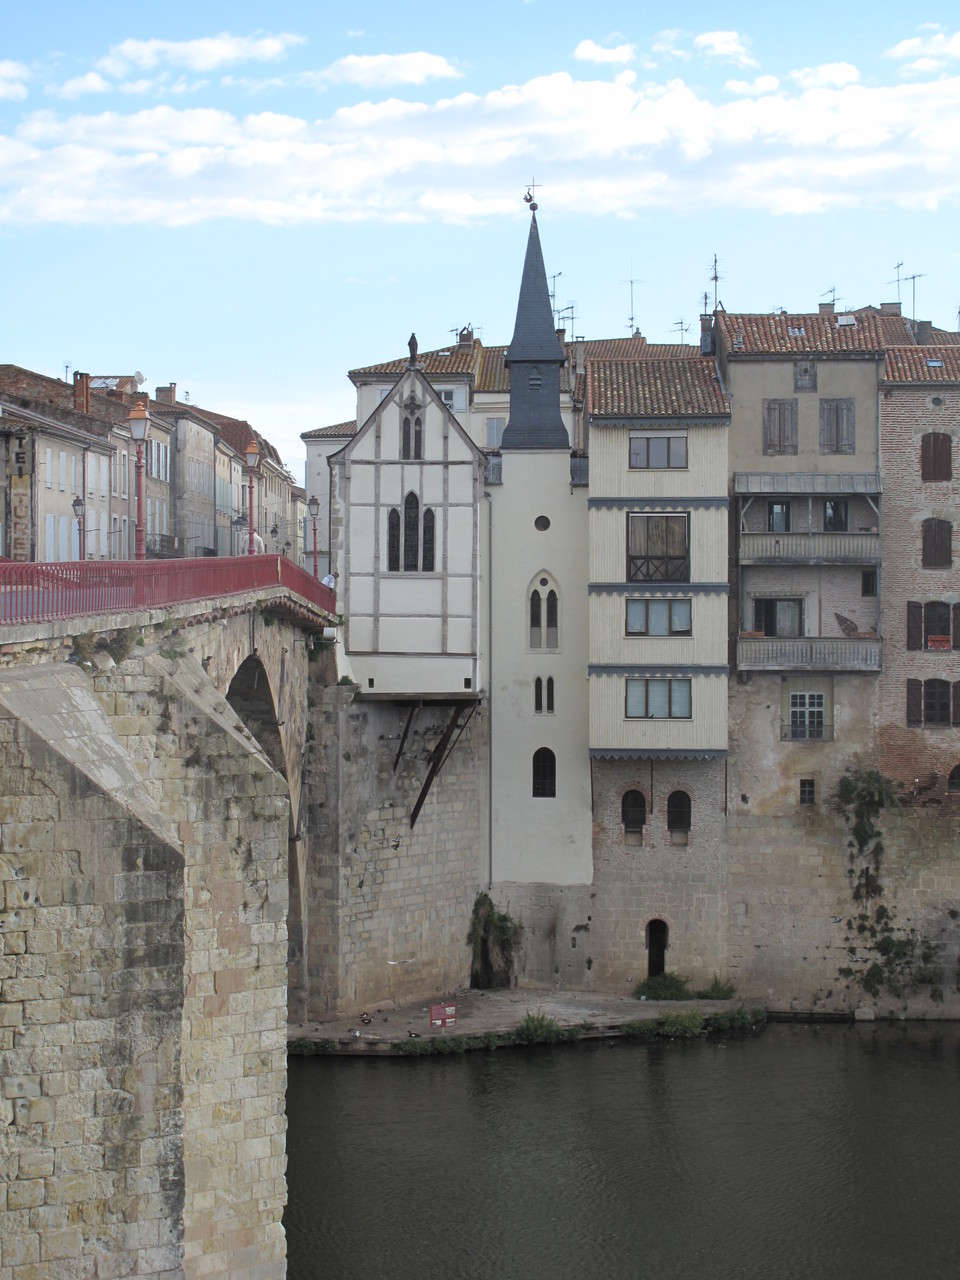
[633, 816]
[658, 699]
[157, 459]
[200, 477]
[836, 516]
[837, 426]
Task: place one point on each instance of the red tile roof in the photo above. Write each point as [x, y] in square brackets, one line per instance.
[675, 388]
[922, 364]
[338, 429]
[801, 335]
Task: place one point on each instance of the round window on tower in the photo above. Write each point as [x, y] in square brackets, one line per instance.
[542, 523]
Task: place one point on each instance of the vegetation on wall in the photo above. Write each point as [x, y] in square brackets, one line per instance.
[493, 935]
[885, 955]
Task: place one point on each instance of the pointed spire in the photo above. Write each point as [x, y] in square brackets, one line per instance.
[534, 335]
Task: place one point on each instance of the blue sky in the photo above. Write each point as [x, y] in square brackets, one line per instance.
[249, 199]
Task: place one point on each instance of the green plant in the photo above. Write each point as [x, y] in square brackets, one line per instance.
[861, 795]
[729, 1022]
[310, 1048]
[647, 1029]
[685, 1024]
[84, 647]
[717, 990]
[493, 934]
[346, 680]
[666, 986]
[120, 644]
[540, 1028]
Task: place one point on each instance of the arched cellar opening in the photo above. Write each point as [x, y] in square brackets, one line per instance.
[658, 935]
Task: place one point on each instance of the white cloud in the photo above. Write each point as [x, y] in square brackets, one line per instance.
[92, 82]
[377, 70]
[590, 51]
[831, 75]
[13, 77]
[206, 54]
[753, 88]
[939, 46]
[728, 45]
[621, 146]
[666, 44]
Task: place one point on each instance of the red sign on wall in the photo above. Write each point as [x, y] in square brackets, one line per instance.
[443, 1015]
[938, 642]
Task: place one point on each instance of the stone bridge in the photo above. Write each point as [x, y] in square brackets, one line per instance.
[152, 778]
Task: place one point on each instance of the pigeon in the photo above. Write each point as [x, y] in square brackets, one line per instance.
[414, 1035]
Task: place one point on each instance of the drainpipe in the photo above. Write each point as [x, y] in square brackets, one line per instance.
[490, 693]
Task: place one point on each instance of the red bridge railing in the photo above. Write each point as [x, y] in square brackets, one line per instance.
[48, 592]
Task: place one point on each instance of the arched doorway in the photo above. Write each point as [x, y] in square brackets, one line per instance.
[657, 941]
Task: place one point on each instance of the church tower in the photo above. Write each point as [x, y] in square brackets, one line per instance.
[534, 358]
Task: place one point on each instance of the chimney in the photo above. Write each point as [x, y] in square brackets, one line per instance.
[923, 332]
[826, 308]
[81, 392]
[167, 395]
[561, 335]
[890, 308]
[706, 336]
[581, 348]
[465, 336]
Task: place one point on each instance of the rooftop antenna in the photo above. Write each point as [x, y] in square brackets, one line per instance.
[704, 311]
[682, 327]
[917, 275]
[553, 298]
[570, 308]
[715, 277]
[632, 325]
[897, 270]
[832, 291]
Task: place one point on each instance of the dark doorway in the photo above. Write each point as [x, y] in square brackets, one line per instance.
[657, 933]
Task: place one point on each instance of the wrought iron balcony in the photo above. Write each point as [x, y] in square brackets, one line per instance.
[808, 653]
[809, 548]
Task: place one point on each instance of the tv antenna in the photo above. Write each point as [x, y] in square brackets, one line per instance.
[832, 292]
[715, 278]
[681, 327]
[632, 325]
[896, 268]
[570, 308]
[917, 275]
[553, 297]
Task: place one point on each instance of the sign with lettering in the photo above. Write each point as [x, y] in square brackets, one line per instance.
[443, 1015]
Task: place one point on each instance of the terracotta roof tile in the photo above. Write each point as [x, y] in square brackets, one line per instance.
[673, 388]
[338, 429]
[945, 338]
[454, 360]
[801, 335]
[922, 364]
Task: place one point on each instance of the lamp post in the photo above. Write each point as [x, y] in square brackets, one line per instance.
[313, 506]
[139, 423]
[253, 461]
[77, 505]
[275, 535]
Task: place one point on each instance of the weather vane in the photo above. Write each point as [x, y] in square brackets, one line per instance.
[530, 196]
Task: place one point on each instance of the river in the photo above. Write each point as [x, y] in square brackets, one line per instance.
[801, 1151]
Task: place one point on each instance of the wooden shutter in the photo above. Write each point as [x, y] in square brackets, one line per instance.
[846, 436]
[937, 544]
[914, 625]
[926, 456]
[956, 626]
[936, 456]
[828, 426]
[956, 703]
[771, 427]
[914, 702]
[788, 427]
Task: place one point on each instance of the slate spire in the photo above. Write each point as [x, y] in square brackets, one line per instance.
[534, 357]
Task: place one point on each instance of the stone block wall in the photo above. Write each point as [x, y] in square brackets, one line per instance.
[389, 905]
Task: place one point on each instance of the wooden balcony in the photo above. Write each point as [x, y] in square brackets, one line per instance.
[808, 653]
[809, 548]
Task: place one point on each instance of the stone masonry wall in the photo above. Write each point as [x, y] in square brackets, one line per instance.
[389, 906]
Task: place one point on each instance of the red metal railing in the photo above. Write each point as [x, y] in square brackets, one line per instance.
[48, 592]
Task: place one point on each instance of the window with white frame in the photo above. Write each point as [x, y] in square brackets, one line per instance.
[658, 699]
[807, 716]
[658, 617]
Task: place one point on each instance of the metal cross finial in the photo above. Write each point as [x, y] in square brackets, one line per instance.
[530, 197]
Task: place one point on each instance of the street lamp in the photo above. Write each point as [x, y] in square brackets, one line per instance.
[275, 535]
[138, 421]
[313, 506]
[253, 461]
[77, 505]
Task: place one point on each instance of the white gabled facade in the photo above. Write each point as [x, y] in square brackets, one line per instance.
[405, 493]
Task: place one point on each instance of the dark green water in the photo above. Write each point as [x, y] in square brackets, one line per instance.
[806, 1151]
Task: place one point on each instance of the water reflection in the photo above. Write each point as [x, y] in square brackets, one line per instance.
[808, 1151]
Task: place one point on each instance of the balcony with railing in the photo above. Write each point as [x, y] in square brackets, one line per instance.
[813, 548]
[806, 729]
[809, 653]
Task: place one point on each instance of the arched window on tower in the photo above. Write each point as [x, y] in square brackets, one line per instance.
[544, 772]
[429, 540]
[538, 696]
[633, 815]
[549, 695]
[553, 619]
[405, 439]
[417, 438]
[411, 533]
[393, 541]
[536, 620]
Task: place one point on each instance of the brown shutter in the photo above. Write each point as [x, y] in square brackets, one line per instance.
[942, 457]
[956, 703]
[914, 702]
[771, 434]
[956, 626]
[827, 434]
[914, 625]
[926, 457]
[944, 552]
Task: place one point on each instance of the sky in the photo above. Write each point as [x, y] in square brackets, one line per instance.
[249, 199]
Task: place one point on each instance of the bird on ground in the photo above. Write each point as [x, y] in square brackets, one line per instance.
[414, 1035]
